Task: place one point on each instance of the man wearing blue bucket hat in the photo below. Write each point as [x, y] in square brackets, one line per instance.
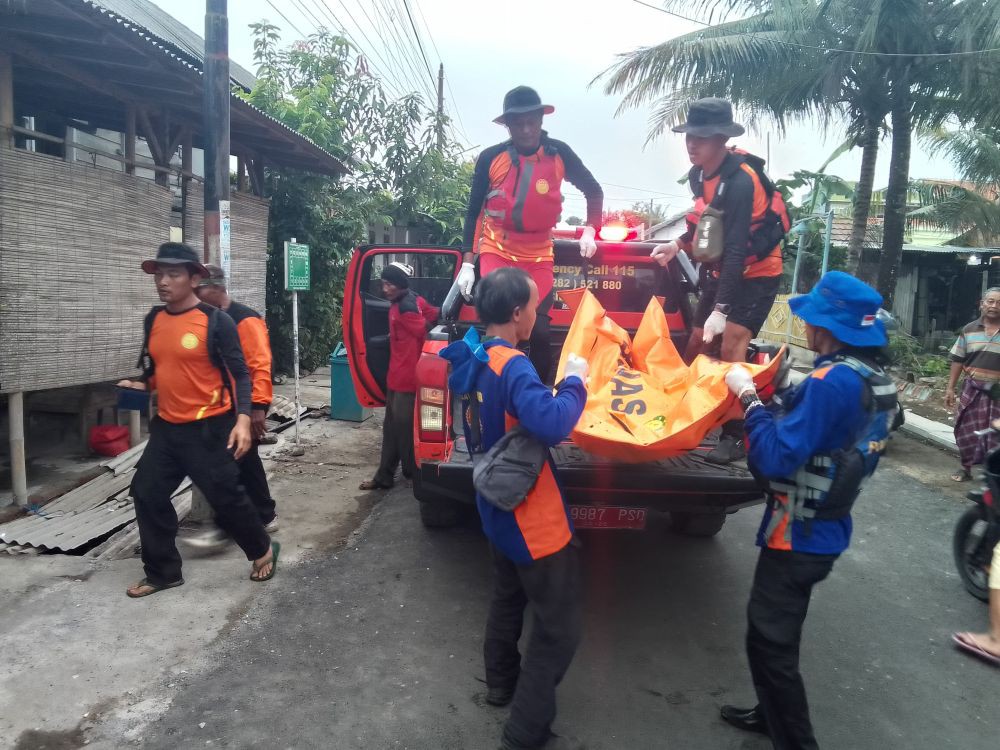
[813, 448]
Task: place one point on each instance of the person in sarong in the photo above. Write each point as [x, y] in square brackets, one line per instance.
[976, 357]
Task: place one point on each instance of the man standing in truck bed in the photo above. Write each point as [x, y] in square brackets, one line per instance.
[740, 255]
[516, 201]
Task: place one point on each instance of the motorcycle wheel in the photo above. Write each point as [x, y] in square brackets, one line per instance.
[971, 556]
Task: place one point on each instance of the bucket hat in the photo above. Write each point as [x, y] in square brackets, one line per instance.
[175, 254]
[216, 276]
[522, 99]
[846, 307]
[710, 116]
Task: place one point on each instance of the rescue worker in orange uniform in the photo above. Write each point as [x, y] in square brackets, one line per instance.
[535, 554]
[516, 201]
[256, 345]
[192, 359]
[738, 290]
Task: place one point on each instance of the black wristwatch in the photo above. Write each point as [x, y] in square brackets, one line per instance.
[724, 309]
[750, 400]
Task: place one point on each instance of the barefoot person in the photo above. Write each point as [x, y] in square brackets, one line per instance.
[190, 354]
[410, 317]
[976, 356]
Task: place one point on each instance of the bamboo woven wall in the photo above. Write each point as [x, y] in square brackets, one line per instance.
[72, 296]
[248, 244]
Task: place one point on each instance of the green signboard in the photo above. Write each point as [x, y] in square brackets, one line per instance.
[296, 267]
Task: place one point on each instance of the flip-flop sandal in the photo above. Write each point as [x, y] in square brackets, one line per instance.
[961, 476]
[372, 484]
[275, 551]
[154, 588]
[975, 649]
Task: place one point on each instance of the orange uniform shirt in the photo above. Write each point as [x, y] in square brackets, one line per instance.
[189, 386]
[256, 346]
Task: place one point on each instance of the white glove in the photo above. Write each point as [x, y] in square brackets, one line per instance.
[665, 253]
[466, 278]
[576, 367]
[714, 326]
[588, 247]
[739, 380]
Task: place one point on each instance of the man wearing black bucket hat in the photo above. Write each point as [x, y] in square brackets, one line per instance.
[814, 448]
[516, 201]
[190, 354]
[735, 233]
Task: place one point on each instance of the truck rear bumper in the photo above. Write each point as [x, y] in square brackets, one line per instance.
[683, 484]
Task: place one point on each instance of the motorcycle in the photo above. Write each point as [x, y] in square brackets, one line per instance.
[978, 530]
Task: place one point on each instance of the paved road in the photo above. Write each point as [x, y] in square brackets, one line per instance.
[379, 646]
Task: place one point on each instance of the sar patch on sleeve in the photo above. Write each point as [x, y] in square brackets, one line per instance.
[821, 372]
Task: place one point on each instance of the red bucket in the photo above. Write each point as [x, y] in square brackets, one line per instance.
[108, 439]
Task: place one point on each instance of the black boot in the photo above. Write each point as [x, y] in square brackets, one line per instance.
[747, 719]
[729, 449]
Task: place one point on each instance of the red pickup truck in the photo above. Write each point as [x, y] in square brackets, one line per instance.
[603, 493]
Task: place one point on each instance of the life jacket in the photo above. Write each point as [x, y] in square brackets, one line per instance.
[767, 231]
[528, 202]
[826, 487]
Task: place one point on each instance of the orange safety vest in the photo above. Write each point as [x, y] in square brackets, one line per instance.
[769, 222]
[526, 198]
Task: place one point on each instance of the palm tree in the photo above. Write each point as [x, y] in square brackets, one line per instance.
[835, 60]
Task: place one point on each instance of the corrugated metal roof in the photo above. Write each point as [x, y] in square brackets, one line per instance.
[84, 514]
[195, 64]
[160, 23]
[949, 249]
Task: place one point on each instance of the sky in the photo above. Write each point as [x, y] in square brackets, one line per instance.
[556, 46]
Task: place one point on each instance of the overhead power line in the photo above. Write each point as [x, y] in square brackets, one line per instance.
[416, 34]
[755, 35]
[287, 19]
[398, 27]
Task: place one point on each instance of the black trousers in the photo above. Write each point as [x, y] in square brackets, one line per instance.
[553, 586]
[540, 343]
[198, 450]
[397, 437]
[779, 601]
[254, 481]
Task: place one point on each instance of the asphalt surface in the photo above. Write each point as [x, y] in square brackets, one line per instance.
[378, 646]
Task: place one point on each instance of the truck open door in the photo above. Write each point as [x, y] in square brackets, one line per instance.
[366, 310]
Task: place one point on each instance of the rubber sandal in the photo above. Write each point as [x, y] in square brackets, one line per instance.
[962, 476]
[155, 588]
[373, 484]
[975, 649]
[275, 550]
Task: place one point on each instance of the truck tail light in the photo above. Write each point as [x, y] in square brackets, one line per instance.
[431, 418]
[431, 414]
[432, 395]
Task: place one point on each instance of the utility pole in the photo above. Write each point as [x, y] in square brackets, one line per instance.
[440, 123]
[215, 110]
[215, 129]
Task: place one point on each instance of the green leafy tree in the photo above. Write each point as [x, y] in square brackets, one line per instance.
[837, 61]
[399, 175]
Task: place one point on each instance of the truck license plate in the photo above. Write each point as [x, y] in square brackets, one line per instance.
[607, 517]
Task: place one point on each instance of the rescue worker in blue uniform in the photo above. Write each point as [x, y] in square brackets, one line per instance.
[813, 448]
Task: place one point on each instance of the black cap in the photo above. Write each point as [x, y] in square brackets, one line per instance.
[175, 254]
[522, 99]
[710, 117]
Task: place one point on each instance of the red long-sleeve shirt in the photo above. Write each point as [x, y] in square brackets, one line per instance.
[409, 318]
